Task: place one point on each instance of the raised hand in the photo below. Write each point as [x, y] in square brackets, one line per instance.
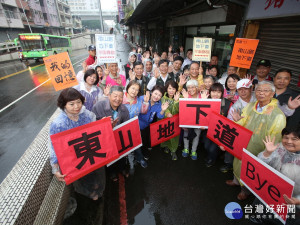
[270, 144]
[184, 93]
[164, 106]
[156, 73]
[204, 94]
[295, 103]
[131, 75]
[236, 116]
[170, 48]
[107, 89]
[177, 96]
[291, 201]
[147, 96]
[182, 80]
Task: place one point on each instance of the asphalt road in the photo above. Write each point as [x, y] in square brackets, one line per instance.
[22, 121]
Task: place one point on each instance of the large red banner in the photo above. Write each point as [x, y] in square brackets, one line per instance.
[84, 149]
[127, 137]
[164, 130]
[195, 113]
[228, 134]
[266, 183]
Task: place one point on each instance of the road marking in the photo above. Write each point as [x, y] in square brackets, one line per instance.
[13, 74]
[23, 96]
[122, 201]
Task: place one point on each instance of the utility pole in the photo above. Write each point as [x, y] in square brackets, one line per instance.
[101, 18]
[25, 16]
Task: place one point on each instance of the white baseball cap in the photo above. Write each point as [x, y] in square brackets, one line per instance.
[245, 83]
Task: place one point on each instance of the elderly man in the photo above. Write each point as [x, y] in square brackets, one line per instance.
[263, 117]
[112, 76]
[161, 75]
[286, 96]
[112, 107]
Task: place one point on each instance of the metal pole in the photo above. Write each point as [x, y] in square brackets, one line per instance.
[25, 16]
[101, 19]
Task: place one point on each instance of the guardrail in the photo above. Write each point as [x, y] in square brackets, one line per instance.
[7, 47]
[30, 194]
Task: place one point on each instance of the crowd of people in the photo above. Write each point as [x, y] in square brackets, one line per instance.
[150, 88]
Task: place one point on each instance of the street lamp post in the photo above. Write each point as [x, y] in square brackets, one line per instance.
[101, 18]
[25, 16]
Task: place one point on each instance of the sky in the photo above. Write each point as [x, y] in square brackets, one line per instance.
[109, 5]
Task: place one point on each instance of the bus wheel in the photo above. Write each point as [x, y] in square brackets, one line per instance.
[37, 60]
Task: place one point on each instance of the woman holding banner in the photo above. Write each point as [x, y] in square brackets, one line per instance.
[135, 106]
[285, 158]
[216, 91]
[264, 118]
[74, 114]
[172, 97]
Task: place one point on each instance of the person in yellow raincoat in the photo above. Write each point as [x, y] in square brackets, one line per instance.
[172, 96]
[264, 118]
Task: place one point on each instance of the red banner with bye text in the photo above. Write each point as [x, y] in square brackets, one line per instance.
[127, 137]
[266, 183]
[164, 130]
[84, 149]
[195, 113]
[228, 134]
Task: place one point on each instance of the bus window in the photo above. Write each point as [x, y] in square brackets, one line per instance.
[28, 45]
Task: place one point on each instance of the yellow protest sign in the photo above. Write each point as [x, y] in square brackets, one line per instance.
[61, 71]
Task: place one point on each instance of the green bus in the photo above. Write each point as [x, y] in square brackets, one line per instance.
[37, 46]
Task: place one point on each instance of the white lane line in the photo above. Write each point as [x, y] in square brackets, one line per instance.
[23, 96]
[28, 93]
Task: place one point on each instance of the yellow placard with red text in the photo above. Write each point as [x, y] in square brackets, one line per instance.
[243, 52]
[61, 71]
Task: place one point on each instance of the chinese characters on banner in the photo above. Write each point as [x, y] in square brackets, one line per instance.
[228, 134]
[202, 49]
[243, 52]
[105, 48]
[164, 130]
[61, 71]
[198, 111]
[84, 149]
[127, 137]
[266, 183]
[120, 11]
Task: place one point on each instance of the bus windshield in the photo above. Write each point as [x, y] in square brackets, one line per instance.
[32, 45]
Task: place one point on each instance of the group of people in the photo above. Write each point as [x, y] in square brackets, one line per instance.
[150, 89]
